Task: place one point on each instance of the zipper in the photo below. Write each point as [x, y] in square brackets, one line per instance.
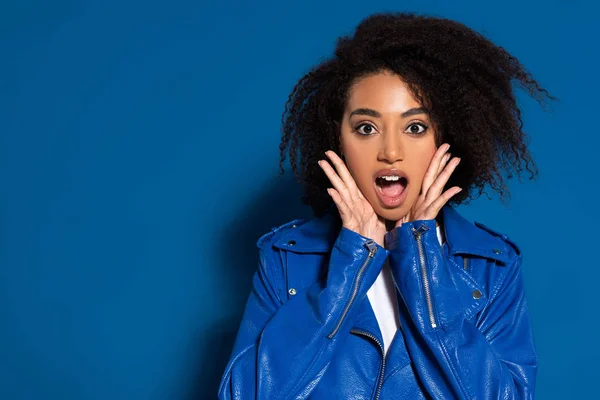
[372, 247]
[382, 369]
[418, 233]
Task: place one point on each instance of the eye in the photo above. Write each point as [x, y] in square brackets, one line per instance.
[414, 128]
[365, 129]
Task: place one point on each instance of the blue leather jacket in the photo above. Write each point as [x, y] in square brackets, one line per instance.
[309, 331]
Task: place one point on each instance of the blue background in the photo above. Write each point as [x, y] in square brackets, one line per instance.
[138, 164]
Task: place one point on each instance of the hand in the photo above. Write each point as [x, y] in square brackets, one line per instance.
[431, 199]
[356, 212]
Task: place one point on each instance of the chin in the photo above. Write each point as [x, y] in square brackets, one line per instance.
[384, 206]
[393, 214]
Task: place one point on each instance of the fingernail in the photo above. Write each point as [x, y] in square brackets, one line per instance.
[447, 146]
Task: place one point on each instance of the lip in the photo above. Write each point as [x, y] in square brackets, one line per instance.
[387, 201]
[388, 171]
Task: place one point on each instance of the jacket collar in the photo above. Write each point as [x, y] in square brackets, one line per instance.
[318, 235]
[472, 238]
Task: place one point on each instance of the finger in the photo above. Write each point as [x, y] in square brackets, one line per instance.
[432, 170]
[441, 180]
[343, 172]
[340, 203]
[434, 167]
[336, 181]
[418, 202]
[443, 163]
[434, 208]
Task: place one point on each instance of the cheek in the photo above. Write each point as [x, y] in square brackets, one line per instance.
[357, 159]
[423, 164]
[357, 165]
[427, 160]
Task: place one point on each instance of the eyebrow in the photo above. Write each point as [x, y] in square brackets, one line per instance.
[376, 114]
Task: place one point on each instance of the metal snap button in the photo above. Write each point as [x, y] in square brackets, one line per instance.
[476, 294]
[292, 291]
[292, 242]
[293, 226]
[496, 251]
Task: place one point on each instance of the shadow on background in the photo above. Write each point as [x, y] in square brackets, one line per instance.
[276, 205]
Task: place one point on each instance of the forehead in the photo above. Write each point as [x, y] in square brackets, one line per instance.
[384, 92]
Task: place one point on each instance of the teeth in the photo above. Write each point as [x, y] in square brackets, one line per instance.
[390, 178]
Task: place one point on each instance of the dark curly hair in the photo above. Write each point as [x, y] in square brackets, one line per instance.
[462, 78]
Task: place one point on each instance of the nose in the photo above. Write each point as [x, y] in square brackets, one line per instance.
[391, 149]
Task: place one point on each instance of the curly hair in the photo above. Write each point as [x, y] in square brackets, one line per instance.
[459, 76]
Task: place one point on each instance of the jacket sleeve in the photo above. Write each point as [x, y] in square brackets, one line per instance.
[283, 349]
[490, 355]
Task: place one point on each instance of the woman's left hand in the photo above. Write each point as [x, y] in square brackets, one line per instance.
[431, 199]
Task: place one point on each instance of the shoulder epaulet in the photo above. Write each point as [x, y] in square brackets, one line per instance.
[267, 237]
[503, 236]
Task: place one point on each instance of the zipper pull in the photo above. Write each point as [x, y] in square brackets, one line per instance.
[371, 246]
[421, 230]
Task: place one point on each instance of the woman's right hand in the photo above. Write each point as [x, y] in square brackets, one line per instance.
[356, 211]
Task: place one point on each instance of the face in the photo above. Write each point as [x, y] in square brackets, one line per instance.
[388, 141]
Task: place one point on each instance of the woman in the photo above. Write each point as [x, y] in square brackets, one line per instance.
[389, 293]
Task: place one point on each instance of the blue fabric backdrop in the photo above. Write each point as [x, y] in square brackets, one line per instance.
[138, 163]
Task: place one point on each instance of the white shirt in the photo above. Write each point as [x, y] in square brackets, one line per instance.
[384, 302]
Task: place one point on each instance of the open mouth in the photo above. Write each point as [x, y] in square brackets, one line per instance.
[391, 186]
